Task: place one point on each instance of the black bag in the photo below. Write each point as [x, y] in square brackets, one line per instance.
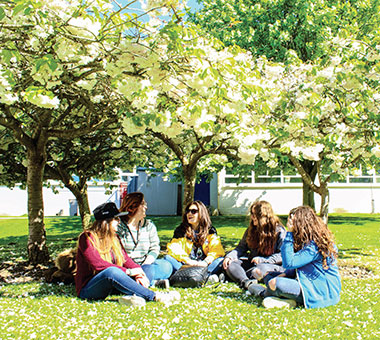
[189, 277]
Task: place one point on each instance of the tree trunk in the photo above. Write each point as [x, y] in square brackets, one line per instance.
[325, 200]
[84, 207]
[79, 190]
[310, 168]
[307, 196]
[189, 174]
[37, 249]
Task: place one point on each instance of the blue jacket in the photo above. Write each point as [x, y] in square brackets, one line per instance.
[320, 287]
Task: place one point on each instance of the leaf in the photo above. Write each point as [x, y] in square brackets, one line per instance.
[2, 13]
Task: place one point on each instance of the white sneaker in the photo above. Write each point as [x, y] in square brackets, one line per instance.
[132, 300]
[212, 279]
[168, 297]
[275, 302]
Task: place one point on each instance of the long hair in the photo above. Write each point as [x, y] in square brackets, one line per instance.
[105, 241]
[262, 233]
[307, 227]
[204, 224]
[131, 203]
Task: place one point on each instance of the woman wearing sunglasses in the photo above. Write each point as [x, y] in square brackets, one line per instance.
[140, 239]
[104, 268]
[195, 242]
[259, 250]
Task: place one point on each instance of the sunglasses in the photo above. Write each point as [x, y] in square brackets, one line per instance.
[193, 211]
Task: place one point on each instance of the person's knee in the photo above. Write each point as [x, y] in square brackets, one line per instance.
[257, 274]
[113, 273]
[272, 284]
[166, 267]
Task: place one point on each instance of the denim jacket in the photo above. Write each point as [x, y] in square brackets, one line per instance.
[320, 287]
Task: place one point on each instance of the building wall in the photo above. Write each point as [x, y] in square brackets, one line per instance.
[352, 198]
[163, 197]
[14, 202]
[160, 195]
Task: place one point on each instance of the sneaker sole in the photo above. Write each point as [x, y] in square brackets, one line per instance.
[134, 301]
[273, 302]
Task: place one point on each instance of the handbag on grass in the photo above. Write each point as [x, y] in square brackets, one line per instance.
[189, 277]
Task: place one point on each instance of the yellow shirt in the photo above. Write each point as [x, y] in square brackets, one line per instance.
[180, 248]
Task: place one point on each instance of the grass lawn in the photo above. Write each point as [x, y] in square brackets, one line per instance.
[37, 310]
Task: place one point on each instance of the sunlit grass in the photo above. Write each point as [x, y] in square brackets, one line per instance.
[38, 310]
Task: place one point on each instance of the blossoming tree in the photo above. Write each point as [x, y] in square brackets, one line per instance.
[280, 29]
[54, 81]
[328, 113]
[197, 105]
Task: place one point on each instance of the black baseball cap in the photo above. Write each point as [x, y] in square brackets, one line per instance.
[107, 210]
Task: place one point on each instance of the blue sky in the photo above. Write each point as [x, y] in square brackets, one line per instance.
[193, 4]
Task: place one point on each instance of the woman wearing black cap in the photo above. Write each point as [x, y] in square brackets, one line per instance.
[103, 266]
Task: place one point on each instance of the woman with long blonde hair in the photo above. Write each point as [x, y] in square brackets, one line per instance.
[104, 268]
[259, 250]
[309, 256]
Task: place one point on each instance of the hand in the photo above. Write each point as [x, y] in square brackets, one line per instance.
[289, 223]
[136, 271]
[255, 260]
[226, 262]
[202, 263]
[193, 263]
[149, 260]
[142, 280]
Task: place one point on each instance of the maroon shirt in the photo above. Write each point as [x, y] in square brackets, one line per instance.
[90, 263]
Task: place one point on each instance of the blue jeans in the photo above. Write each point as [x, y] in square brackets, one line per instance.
[158, 270]
[286, 287]
[215, 267]
[114, 279]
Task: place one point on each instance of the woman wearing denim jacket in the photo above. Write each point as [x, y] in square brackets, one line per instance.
[309, 257]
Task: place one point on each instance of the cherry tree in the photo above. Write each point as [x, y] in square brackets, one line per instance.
[55, 82]
[328, 113]
[196, 103]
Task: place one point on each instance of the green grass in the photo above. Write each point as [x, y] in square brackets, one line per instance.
[48, 311]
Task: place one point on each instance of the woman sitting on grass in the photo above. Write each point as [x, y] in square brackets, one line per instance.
[309, 257]
[259, 250]
[195, 242]
[104, 268]
[140, 239]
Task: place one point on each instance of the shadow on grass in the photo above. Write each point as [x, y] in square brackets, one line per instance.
[63, 225]
[238, 296]
[45, 290]
[348, 253]
[353, 220]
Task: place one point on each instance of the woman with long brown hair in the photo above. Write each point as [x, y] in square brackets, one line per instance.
[259, 250]
[195, 241]
[309, 257]
[139, 238]
[104, 268]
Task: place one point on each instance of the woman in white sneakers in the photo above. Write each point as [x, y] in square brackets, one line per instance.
[309, 256]
[104, 268]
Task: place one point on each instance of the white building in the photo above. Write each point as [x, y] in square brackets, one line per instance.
[284, 192]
